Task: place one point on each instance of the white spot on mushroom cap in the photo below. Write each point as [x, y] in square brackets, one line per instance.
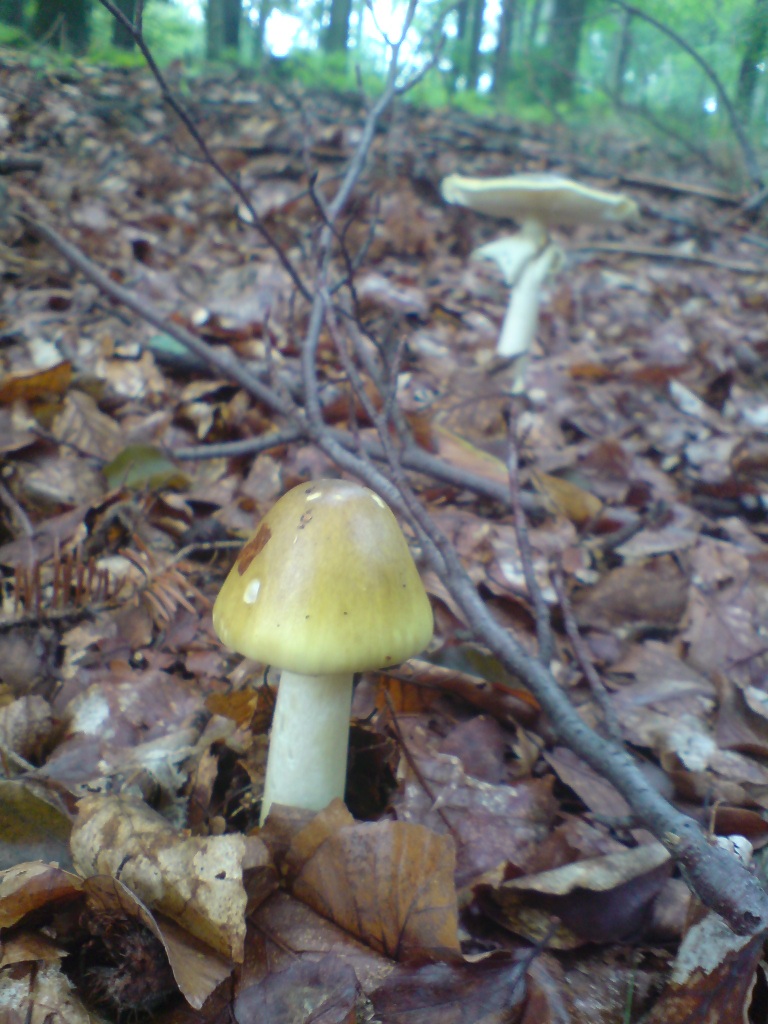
[378, 500]
[252, 592]
[314, 495]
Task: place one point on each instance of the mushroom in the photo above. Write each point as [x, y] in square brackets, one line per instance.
[539, 202]
[326, 587]
[545, 199]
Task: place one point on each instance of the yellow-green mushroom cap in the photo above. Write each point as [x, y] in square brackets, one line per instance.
[326, 585]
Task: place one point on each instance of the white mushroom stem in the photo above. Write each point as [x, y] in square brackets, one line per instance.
[522, 316]
[512, 254]
[307, 762]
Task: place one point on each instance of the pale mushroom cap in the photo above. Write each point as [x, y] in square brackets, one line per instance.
[547, 199]
[327, 584]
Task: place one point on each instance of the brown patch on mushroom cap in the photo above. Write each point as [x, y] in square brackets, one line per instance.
[256, 544]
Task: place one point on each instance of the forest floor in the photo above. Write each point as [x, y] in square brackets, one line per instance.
[480, 872]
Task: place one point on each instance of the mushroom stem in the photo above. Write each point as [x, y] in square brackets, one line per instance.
[307, 762]
[519, 327]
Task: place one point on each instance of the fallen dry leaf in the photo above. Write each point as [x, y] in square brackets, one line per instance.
[492, 825]
[34, 993]
[491, 991]
[33, 886]
[284, 929]
[32, 827]
[36, 384]
[25, 724]
[196, 969]
[325, 992]
[600, 899]
[567, 498]
[196, 881]
[712, 977]
[390, 884]
[635, 597]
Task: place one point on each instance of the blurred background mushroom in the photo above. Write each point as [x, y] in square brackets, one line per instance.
[538, 202]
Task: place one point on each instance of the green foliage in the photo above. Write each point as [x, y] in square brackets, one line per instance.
[335, 72]
[169, 31]
[432, 91]
[11, 35]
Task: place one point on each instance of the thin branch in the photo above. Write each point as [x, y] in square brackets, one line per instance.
[237, 449]
[585, 664]
[544, 635]
[657, 252]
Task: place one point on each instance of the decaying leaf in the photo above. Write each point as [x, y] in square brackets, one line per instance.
[32, 886]
[25, 946]
[567, 498]
[36, 384]
[712, 978]
[40, 994]
[491, 991]
[600, 899]
[390, 884]
[325, 992]
[491, 825]
[197, 970]
[284, 929]
[32, 828]
[196, 881]
[25, 724]
[635, 597]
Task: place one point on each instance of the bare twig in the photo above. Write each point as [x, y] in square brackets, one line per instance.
[585, 664]
[541, 611]
[657, 252]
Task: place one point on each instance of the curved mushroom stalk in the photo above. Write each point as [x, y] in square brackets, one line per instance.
[512, 254]
[307, 762]
[525, 267]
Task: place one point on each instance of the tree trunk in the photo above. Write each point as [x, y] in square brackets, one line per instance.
[121, 37]
[621, 61]
[260, 30]
[233, 10]
[455, 46]
[504, 36]
[533, 24]
[754, 52]
[12, 12]
[563, 44]
[475, 38]
[63, 23]
[214, 29]
[336, 35]
[466, 46]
